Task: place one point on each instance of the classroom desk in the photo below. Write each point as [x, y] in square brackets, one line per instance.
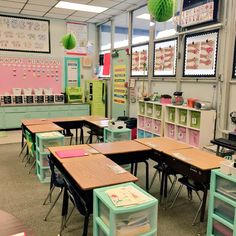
[50, 127]
[10, 225]
[222, 142]
[126, 152]
[195, 164]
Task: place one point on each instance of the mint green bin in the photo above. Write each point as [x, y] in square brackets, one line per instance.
[111, 220]
[195, 119]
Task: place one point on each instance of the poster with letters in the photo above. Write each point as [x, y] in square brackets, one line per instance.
[201, 54]
[24, 34]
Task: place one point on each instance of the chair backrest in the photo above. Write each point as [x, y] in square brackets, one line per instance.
[78, 198]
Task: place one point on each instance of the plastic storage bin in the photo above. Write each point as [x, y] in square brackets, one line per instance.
[112, 135]
[157, 111]
[171, 114]
[181, 134]
[135, 220]
[194, 136]
[141, 122]
[140, 133]
[221, 230]
[157, 127]
[148, 135]
[148, 124]
[42, 159]
[182, 116]
[149, 109]
[142, 108]
[44, 174]
[195, 117]
[170, 130]
[226, 187]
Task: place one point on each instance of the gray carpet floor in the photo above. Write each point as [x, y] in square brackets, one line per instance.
[22, 195]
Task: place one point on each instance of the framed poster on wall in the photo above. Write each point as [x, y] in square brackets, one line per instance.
[24, 34]
[139, 60]
[165, 58]
[201, 54]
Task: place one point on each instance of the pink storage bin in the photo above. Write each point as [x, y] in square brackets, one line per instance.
[181, 134]
[148, 124]
[194, 137]
[141, 122]
[157, 126]
[166, 100]
[170, 131]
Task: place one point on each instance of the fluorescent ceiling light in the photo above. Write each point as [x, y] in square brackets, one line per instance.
[144, 16]
[80, 7]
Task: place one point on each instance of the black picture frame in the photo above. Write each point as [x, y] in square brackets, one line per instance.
[131, 64]
[208, 75]
[24, 34]
[175, 60]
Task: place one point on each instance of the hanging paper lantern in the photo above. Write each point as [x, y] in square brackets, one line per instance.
[161, 10]
[68, 41]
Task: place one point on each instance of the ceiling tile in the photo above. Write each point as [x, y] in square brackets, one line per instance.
[123, 6]
[32, 13]
[113, 12]
[61, 11]
[77, 18]
[43, 2]
[11, 4]
[79, 1]
[9, 10]
[103, 3]
[92, 20]
[34, 7]
[85, 14]
[133, 1]
[23, 1]
[55, 16]
[102, 16]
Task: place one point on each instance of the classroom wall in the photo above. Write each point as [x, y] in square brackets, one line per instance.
[57, 30]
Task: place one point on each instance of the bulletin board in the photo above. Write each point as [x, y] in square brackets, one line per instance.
[139, 60]
[23, 72]
[165, 58]
[201, 54]
[24, 34]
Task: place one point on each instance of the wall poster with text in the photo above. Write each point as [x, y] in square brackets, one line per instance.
[165, 58]
[201, 54]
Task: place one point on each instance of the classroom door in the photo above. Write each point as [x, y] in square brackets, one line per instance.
[120, 75]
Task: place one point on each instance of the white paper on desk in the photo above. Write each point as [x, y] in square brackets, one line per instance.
[151, 144]
[180, 156]
[117, 169]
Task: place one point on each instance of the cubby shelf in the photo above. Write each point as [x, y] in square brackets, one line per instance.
[222, 205]
[43, 141]
[185, 124]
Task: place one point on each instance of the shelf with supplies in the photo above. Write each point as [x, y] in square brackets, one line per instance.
[43, 141]
[185, 124]
[113, 135]
[122, 214]
[11, 116]
[222, 205]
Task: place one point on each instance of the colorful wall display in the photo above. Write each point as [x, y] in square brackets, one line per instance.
[165, 58]
[201, 54]
[80, 32]
[24, 34]
[119, 88]
[139, 60]
[19, 72]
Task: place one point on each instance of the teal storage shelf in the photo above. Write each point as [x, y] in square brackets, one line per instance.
[113, 135]
[222, 205]
[110, 220]
[43, 173]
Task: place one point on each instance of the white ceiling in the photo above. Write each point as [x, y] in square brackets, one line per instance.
[46, 9]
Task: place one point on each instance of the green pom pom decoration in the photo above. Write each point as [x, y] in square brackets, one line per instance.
[161, 10]
[69, 41]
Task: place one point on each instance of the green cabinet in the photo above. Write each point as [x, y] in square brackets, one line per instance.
[11, 116]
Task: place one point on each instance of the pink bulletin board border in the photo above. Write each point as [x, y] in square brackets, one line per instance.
[23, 72]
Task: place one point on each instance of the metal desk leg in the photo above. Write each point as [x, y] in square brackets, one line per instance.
[76, 135]
[218, 150]
[147, 176]
[202, 213]
[81, 135]
[64, 210]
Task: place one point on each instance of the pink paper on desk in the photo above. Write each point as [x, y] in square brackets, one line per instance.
[71, 153]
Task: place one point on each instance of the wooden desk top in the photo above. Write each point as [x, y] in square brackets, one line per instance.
[99, 123]
[87, 148]
[93, 172]
[120, 147]
[35, 121]
[163, 144]
[67, 119]
[43, 128]
[10, 225]
[94, 118]
[197, 158]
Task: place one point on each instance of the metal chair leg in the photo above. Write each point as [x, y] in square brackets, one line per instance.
[198, 211]
[49, 194]
[176, 196]
[53, 204]
[171, 188]
[65, 220]
[153, 178]
[32, 166]
[22, 149]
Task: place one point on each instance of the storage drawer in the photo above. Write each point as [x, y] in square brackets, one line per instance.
[195, 119]
[171, 114]
[140, 133]
[226, 187]
[182, 117]
[148, 135]
[42, 159]
[149, 109]
[194, 137]
[157, 127]
[141, 121]
[142, 108]
[157, 111]
[148, 124]
[170, 130]
[221, 230]
[224, 210]
[44, 174]
[181, 134]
